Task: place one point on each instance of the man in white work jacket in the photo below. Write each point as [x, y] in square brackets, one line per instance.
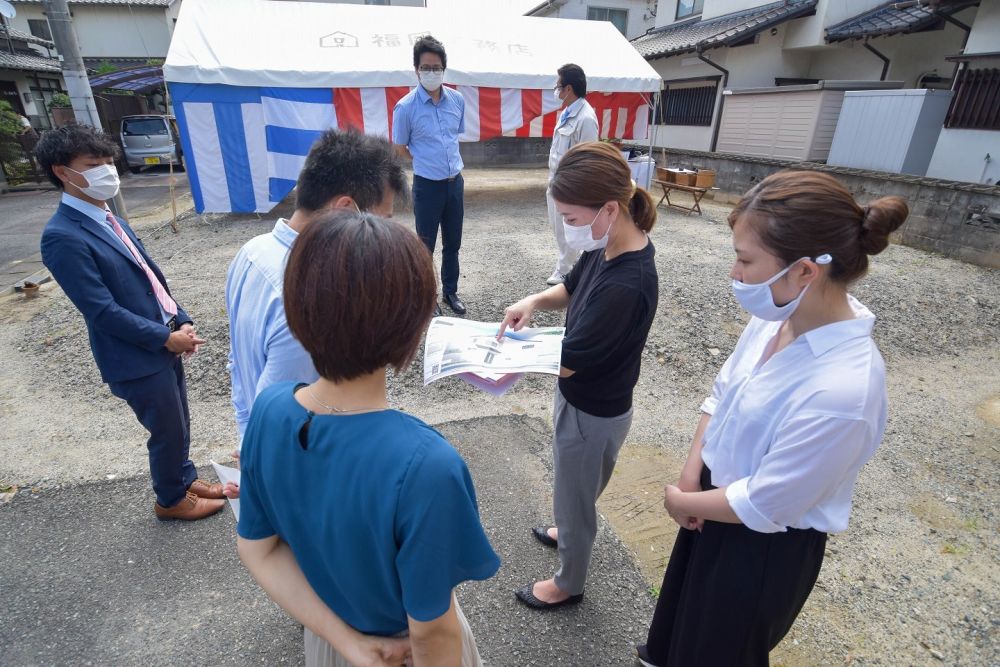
[577, 124]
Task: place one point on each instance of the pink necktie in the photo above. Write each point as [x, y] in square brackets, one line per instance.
[168, 304]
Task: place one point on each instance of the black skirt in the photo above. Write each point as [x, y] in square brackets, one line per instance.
[730, 594]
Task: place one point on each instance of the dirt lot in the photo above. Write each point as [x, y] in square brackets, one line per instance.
[914, 580]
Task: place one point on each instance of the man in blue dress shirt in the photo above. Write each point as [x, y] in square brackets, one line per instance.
[343, 170]
[426, 125]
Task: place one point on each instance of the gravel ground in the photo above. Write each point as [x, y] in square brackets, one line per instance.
[914, 580]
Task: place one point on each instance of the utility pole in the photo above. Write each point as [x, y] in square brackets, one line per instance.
[75, 74]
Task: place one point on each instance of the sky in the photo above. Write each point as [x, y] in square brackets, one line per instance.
[504, 6]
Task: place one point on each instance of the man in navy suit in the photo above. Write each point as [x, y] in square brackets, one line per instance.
[138, 333]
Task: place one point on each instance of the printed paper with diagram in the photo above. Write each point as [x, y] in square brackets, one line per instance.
[455, 346]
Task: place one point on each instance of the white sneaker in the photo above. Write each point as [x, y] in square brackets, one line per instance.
[556, 278]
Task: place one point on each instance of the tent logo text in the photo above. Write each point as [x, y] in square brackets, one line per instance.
[338, 40]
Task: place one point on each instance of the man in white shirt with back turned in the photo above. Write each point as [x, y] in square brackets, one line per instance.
[343, 170]
[577, 124]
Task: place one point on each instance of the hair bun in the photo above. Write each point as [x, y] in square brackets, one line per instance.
[880, 218]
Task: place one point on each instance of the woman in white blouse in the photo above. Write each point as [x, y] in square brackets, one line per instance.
[794, 414]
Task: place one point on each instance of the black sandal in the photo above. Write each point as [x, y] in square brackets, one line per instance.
[541, 534]
[527, 596]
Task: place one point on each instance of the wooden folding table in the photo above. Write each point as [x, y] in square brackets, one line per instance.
[696, 192]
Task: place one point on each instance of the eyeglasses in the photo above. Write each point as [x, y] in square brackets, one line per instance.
[435, 70]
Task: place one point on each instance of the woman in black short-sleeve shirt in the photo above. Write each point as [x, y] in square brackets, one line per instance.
[610, 299]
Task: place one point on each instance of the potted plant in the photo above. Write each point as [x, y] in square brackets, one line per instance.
[62, 110]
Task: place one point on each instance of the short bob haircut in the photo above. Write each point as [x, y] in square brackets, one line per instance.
[63, 145]
[359, 292]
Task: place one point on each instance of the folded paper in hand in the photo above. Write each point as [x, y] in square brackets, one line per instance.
[227, 474]
[470, 350]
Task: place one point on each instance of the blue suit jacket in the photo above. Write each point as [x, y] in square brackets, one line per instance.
[112, 292]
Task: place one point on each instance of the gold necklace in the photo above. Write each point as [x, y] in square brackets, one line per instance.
[333, 409]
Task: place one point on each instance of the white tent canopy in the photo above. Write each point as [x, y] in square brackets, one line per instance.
[255, 82]
[310, 44]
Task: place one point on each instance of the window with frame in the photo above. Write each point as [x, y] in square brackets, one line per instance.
[976, 104]
[40, 28]
[689, 103]
[618, 17]
[689, 8]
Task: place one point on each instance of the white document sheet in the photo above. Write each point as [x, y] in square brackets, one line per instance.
[227, 474]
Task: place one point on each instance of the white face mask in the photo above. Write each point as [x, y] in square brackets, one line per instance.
[582, 238]
[431, 81]
[557, 93]
[102, 181]
[758, 300]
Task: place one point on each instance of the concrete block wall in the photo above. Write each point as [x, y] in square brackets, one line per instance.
[960, 220]
[507, 151]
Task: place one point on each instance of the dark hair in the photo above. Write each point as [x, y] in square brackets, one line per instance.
[428, 44]
[359, 291]
[808, 213]
[594, 173]
[63, 145]
[346, 162]
[573, 76]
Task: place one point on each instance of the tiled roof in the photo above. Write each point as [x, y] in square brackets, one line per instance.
[894, 18]
[28, 63]
[120, 62]
[24, 36]
[135, 3]
[719, 31]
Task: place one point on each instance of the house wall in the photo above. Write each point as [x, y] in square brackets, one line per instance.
[394, 3]
[959, 220]
[112, 31]
[911, 56]
[973, 155]
[23, 83]
[34, 106]
[810, 32]
[759, 64]
[686, 136]
[713, 8]
[639, 12]
[665, 12]
[751, 66]
[985, 34]
[961, 155]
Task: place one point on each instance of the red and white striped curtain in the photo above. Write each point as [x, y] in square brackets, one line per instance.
[494, 112]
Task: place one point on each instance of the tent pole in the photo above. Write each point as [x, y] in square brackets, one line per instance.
[652, 125]
[173, 197]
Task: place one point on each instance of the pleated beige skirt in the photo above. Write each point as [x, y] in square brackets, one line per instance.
[319, 653]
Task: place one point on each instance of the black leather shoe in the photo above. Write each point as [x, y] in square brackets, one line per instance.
[526, 596]
[541, 534]
[437, 309]
[455, 303]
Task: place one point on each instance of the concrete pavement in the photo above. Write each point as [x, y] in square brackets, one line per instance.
[90, 578]
[23, 214]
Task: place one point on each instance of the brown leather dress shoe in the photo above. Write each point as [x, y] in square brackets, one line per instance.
[191, 508]
[203, 489]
